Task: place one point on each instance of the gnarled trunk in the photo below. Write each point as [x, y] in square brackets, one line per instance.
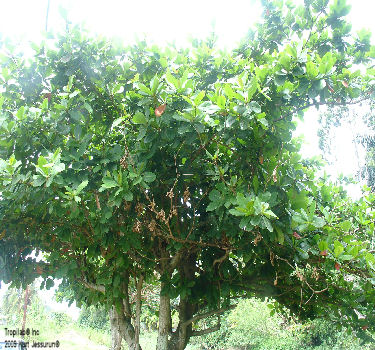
[177, 340]
[122, 324]
[181, 336]
[121, 318]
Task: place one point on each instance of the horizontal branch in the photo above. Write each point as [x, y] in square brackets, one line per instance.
[208, 314]
[336, 104]
[206, 331]
[93, 286]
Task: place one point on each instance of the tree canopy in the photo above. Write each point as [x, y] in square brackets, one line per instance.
[133, 165]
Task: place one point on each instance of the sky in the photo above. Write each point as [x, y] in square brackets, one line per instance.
[166, 21]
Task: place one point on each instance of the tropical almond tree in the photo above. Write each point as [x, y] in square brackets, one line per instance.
[140, 165]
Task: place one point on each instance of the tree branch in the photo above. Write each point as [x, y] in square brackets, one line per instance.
[93, 286]
[207, 314]
[206, 331]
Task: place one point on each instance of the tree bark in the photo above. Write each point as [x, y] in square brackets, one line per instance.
[121, 320]
[116, 337]
[165, 321]
[177, 340]
[181, 336]
[122, 323]
[25, 302]
[138, 306]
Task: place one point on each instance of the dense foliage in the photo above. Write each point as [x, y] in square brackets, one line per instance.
[127, 166]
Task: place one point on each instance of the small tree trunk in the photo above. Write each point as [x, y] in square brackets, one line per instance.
[25, 302]
[138, 306]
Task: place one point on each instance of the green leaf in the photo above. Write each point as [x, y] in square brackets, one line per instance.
[220, 101]
[117, 122]
[108, 183]
[370, 259]
[139, 118]
[311, 70]
[346, 225]
[76, 116]
[327, 63]
[149, 177]
[38, 180]
[88, 107]
[172, 80]
[319, 84]
[252, 89]
[255, 107]
[21, 112]
[267, 224]
[280, 79]
[323, 245]
[213, 206]
[144, 89]
[338, 249]
[214, 195]
[128, 196]
[346, 257]
[199, 98]
[154, 84]
[318, 222]
[81, 186]
[49, 283]
[280, 235]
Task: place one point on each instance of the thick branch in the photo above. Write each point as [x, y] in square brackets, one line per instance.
[97, 287]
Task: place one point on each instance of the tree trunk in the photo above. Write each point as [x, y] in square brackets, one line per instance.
[138, 306]
[115, 332]
[165, 321]
[25, 302]
[179, 339]
[124, 327]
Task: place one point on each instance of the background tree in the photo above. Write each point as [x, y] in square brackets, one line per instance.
[362, 125]
[13, 305]
[127, 166]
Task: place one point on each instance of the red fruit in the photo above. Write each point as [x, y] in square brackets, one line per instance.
[296, 235]
[160, 110]
[364, 327]
[324, 253]
[337, 266]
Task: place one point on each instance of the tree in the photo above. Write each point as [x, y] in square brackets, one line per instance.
[17, 305]
[362, 125]
[127, 166]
